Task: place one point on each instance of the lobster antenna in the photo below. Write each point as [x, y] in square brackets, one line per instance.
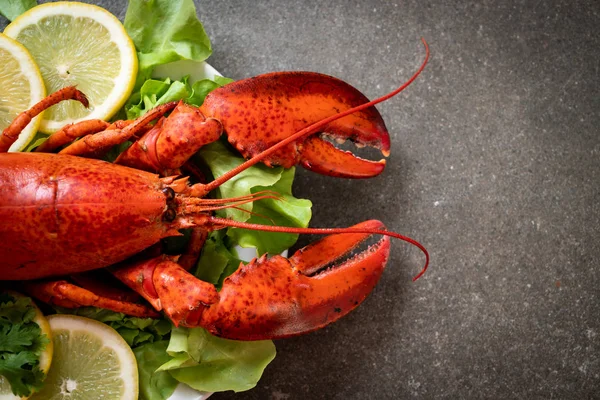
[225, 222]
[312, 129]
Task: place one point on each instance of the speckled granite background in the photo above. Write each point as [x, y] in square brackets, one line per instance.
[494, 167]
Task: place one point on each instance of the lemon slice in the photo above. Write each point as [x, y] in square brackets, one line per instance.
[91, 361]
[78, 44]
[22, 87]
[45, 357]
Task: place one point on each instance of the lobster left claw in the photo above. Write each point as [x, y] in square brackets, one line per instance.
[259, 112]
[268, 298]
[275, 297]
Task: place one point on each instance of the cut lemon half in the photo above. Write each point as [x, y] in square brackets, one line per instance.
[22, 87]
[91, 361]
[45, 357]
[78, 44]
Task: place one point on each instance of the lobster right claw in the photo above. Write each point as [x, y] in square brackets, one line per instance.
[259, 112]
[276, 297]
[269, 298]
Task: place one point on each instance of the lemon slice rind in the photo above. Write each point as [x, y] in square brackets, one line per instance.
[123, 82]
[72, 376]
[30, 71]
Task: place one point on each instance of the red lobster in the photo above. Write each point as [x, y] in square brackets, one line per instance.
[63, 214]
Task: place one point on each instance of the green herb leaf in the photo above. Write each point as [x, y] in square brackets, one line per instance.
[21, 344]
[15, 368]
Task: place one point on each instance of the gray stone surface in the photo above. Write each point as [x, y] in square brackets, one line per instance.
[494, 167]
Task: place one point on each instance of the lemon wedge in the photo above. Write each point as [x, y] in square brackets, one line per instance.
[45, 357]
[91, 361]
[78, 44]
[22, 87]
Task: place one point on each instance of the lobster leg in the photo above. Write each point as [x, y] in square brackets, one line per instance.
[102, 283]
[64, 294]
[74, 131]
[11, 133]
[71, 132]
[192, 252]
[93, 143]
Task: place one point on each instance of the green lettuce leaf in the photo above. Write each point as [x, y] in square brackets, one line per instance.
[218, 260]
[215, 259]
[212, 364]
[154, 385]
[11, 9]
[21, 344]
[289, 211]
[37, 140]
[201, 88]
[164, 31]
[155, 92]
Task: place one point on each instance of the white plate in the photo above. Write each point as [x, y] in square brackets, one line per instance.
[184, 392]
[178, 69]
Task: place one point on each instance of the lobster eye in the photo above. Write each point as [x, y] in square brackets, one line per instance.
[169, 193]
[169, 215]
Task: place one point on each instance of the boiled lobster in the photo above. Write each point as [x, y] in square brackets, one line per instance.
[66, 213]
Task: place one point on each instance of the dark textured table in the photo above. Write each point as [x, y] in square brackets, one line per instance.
[494, 167]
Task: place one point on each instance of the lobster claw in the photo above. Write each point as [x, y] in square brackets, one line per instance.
[270, 297]
[277, 297]
[259, 112]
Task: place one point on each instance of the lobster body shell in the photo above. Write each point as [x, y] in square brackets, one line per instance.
[63, 214]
